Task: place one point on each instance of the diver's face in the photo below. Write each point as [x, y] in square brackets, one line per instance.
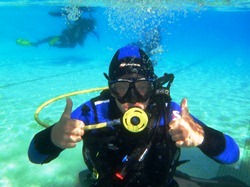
[125, 106]
[133, 96]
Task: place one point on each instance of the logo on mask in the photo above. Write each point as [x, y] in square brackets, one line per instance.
[131, 64]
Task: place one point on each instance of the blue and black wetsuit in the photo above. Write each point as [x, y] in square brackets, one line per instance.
[113, 150]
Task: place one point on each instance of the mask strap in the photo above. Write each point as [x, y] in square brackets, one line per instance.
[106, 76]
[164, 79]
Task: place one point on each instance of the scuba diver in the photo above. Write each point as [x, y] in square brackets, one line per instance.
[145, 130]
[74, 34]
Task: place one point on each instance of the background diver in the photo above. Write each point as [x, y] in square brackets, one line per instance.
[74, 34]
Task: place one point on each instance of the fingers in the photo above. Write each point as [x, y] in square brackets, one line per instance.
[69, 136]
[67, 132]
[75, 130]
[182, 130]
[68, 108]
[174, 123]
[78, 131]
[73, 139]
[184, 107]
[178, 132]
[179, 143]
[177, 136]
[73, 125]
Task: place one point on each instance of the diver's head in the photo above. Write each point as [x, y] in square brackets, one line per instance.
[131, 77]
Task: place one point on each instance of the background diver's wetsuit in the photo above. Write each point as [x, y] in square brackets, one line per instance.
[74, 34]
[113, 150]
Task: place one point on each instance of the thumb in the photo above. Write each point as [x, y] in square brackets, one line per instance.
[68, 108]
[184, 107]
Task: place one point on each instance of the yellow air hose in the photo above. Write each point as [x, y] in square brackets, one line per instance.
[40, 108]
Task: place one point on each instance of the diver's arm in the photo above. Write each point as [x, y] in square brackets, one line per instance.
[218, 146]
[184, 129]
[41, 149]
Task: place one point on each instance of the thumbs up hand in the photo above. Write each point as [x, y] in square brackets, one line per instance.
[67, 132]
[184, 131]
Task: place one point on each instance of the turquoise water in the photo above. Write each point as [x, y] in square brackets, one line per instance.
[206, 48]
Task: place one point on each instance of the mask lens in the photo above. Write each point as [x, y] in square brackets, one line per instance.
[124, 90]
[143, 87]
[119, 88]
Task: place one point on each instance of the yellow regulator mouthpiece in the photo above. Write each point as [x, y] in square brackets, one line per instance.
[135, 120]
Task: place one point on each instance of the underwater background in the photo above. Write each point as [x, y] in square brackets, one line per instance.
[206, 45]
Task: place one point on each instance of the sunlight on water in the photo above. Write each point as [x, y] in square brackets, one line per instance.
[173, 4]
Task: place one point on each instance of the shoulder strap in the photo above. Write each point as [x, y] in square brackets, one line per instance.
[162, 100]
[104, 95]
